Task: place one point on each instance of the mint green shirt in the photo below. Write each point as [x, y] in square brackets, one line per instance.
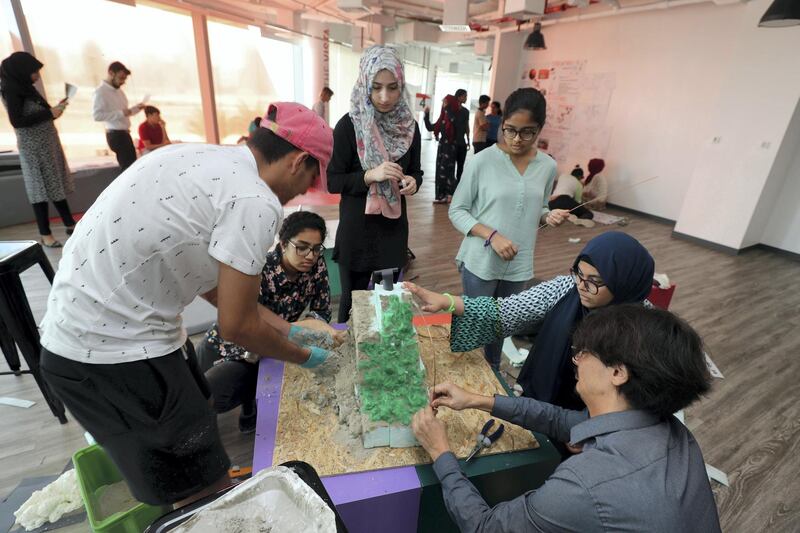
[492, 192]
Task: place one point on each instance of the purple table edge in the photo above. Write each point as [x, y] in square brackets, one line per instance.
[389, 498]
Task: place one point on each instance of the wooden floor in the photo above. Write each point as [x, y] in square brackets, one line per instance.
[747, 308]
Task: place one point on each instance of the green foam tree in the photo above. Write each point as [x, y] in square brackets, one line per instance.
[393, 384]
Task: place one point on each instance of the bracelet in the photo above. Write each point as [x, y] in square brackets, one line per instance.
[488, 241]
[452, 307]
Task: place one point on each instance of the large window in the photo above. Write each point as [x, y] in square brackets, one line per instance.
[343, 75]
[76, 40]
[449, 83]
[250, 71]
[8, 141]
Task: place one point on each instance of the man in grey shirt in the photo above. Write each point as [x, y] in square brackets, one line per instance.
[636, 467]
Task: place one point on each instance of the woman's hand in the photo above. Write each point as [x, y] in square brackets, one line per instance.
[556, 217]
[430, 432]
[504, 247]
[452, 396]
[432, 302]
[57, 111]
[385, 171]
[408, 185]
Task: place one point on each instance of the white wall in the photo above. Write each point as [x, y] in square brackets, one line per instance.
[775, 190]
[751, 117]
[668, 68]
[703, 99]
[783, 228]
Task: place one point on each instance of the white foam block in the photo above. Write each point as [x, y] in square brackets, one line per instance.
[16, 402]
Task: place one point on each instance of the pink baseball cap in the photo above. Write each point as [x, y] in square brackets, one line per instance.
[304, 129]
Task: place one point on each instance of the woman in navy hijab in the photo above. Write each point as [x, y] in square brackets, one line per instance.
[613, 268]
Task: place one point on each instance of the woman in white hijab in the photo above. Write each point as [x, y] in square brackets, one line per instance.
[375, 165]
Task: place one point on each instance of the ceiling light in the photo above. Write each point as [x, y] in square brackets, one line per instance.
[455, 28]
[535, 40]
[781, 13]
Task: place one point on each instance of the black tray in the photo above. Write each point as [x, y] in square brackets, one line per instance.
[304, 471]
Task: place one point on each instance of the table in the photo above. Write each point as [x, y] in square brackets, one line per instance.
[409, 498]
[17, 325]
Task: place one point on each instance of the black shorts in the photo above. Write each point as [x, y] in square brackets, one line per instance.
[152, 417]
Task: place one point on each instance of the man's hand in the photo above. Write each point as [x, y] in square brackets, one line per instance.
[556, 217]
[430, 432]
[316, 358]
[504, 247]
[338, 336]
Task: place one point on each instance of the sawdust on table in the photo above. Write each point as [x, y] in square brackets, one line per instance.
[318, 420]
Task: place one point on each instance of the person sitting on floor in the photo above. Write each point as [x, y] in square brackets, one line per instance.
[567, 194]
[595, 186]
[613, 268]
[639, 468]
[294, 279]
[153, 131]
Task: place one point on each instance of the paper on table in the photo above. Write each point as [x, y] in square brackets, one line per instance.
[16, 402]
[70, 90]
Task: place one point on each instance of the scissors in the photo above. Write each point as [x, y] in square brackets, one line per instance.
[484, 439]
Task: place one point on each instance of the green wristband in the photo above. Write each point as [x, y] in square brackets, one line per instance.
[452, 307]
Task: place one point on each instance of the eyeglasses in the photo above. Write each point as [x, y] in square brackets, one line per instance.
[590, 285]
[578, 354]
[304, 250]
[526, 134]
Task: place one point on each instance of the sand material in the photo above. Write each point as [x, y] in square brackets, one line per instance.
[275, 500]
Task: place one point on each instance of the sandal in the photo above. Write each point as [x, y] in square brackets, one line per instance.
[54, 244]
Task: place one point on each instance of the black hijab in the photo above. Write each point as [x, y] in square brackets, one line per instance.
[627, 269]
[15, 76]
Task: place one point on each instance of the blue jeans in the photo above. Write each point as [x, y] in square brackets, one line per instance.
[496, 288]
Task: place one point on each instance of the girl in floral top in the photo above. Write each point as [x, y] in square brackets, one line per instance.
[294, 279]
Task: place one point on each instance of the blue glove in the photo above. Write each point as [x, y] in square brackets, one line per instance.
[308, 338]
[318, 356]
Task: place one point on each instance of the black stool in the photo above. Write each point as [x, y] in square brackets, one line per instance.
[16, 320]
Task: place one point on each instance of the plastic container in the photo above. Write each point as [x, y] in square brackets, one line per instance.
[304, 471]
[95, 470]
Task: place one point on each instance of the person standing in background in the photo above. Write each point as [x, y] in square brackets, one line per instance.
[444, 132]
[462, 133]
[44, 167]
[500, 205]
[493, 120]
[595, 186]
[321, 107]
[153, 131]
[480, 126]
[110, 106]
[375, 165]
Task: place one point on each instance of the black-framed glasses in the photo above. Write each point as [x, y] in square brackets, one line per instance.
[526, 134]
[304, 250]
[591, 285]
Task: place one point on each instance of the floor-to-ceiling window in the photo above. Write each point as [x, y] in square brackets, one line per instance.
[77, 39]
[8, 141]
[250, 71]
[343, 75]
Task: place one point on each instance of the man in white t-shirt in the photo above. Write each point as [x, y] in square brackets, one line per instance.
[188, 220]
